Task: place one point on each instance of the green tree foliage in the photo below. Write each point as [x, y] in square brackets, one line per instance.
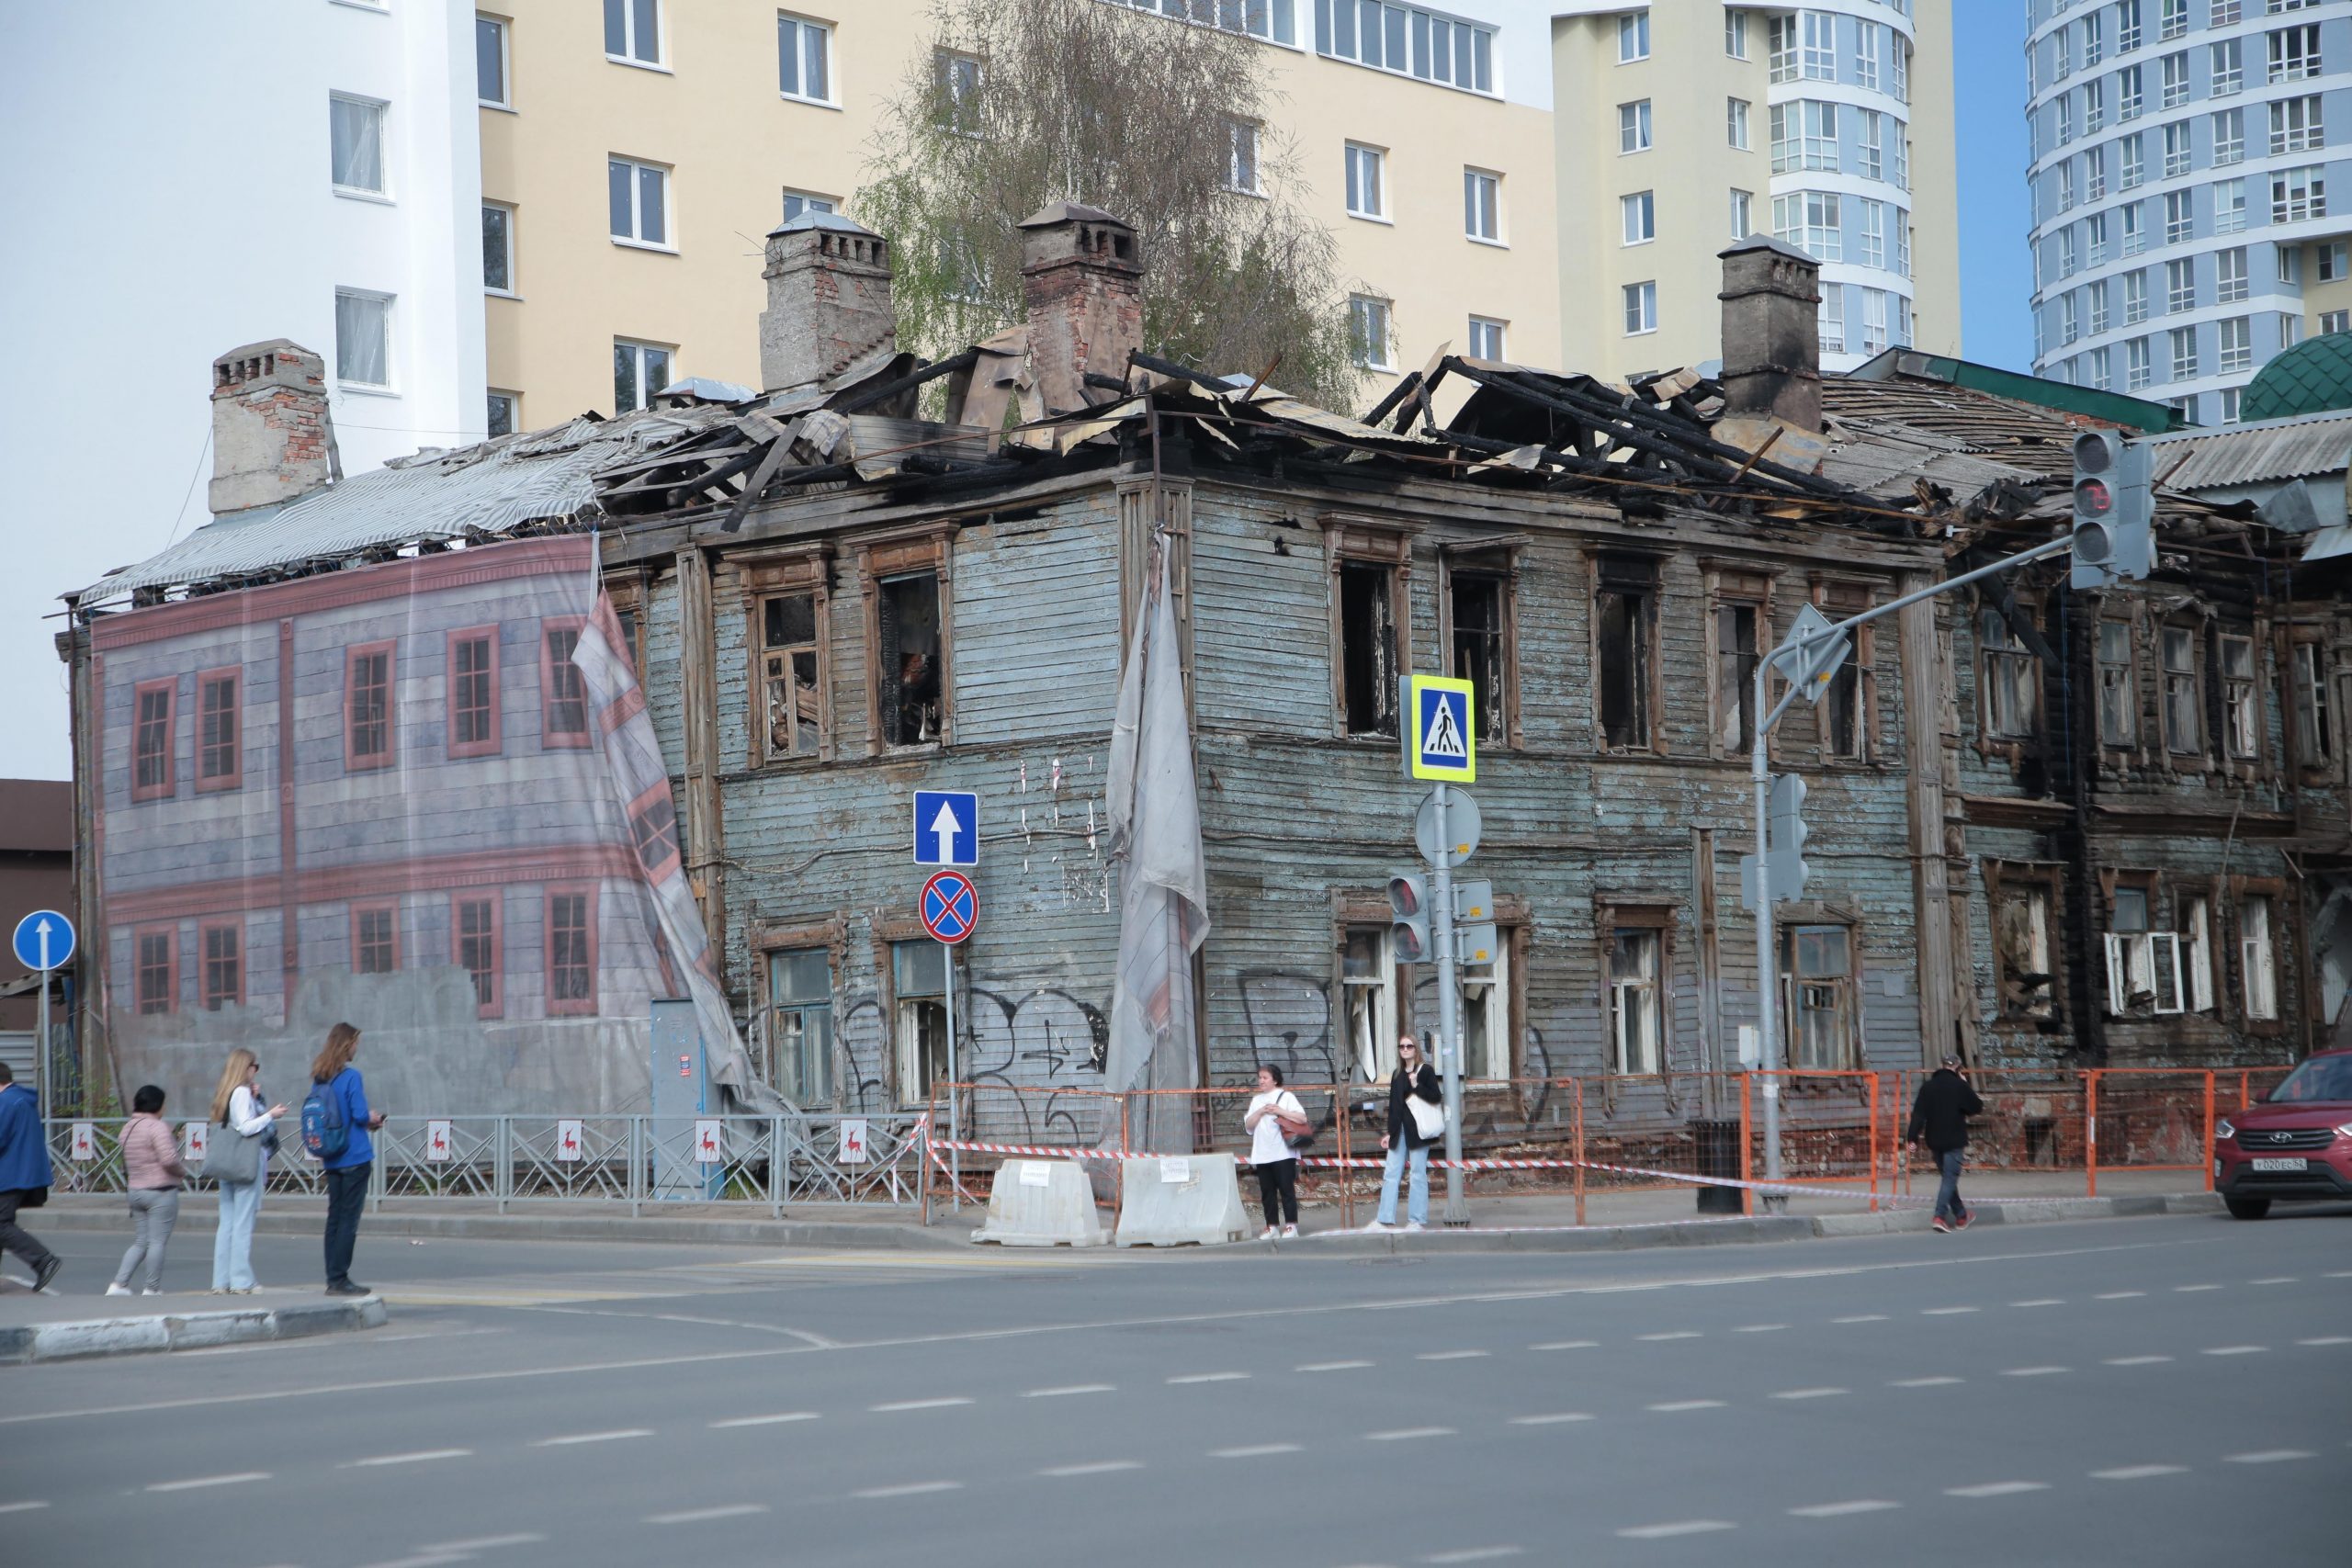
[1017, 104]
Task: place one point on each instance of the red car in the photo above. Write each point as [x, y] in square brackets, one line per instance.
[2294, 1144]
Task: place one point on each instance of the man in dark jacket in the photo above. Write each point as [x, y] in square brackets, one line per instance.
[24, 1170]
[1940, 1116]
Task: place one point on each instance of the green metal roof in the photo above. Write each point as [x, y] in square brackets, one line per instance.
[2111, 407]
[2311, 378]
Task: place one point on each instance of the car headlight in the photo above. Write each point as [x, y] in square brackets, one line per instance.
[2345, 1130]
[2223, 1129]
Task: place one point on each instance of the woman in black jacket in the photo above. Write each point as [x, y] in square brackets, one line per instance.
[1404, 1141]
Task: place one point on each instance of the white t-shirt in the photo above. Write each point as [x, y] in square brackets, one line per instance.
[1266, 1144]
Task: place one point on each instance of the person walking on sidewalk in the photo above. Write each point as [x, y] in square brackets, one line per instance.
[1940, 1116]
[24, 1177]
[151, 1164]
[343, 1098]
[1272, 1118]
[239, 1113]
[1408, 1137]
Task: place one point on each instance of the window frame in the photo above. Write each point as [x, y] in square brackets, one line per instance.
[2127, 685]
[637, 348]
[1632, 37]
[361, 912]
[626, 11]
[2241, 696]
[568, 1006]
[385, 304]
[1362, 541]
[1637, 219]
[2252, 1012]
[505, 27]
[1739, 132]
[1244, 156]
[1360, 159]
[796, 575]
[493, 899]
[1645, 684]
[2007, 884]
[232, 778]
[1637, 128]
[381, 191]
[1496, 561]
[163, 787]
[1614, 921]
[890, 933]
[1363, 310]
[772, 944]
[2012, 665]
[1489, 326]
[551, 679]
[1729, 590]
[2181, 692]
[1640, 300]
[506, 211]
[2311, 747]
[169, 998]
[490, 747]
[900, 556]
[1849, 1044]
[639, 168]
[232, 927]
[494, 396]
[354, 760]
[807, 26]
[1482, 200]
[1388, 1012]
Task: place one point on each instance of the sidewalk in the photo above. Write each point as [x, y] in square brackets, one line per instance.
[57, 1328]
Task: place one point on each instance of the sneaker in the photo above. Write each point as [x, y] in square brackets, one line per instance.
[118, 1289]
[1967, 1218]
[1942, 1225]
[348, 1289]
[1415, 1225]
[149, 1292]
[46, 1272]
[1268, 1234]
[1289, 1232]
[1379, 1225]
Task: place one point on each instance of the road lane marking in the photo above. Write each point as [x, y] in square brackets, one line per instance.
[484, 1543]
[1211, 1377]
[2117, 1295]
[908, 1489]
[1759, 1328]
[1450, 1355]
[2275, 1279]
[1674, 1406]
[427, 1559]
[1254, 1450]
[1408, 1434]
[420, 1457]
[1946, 1312]
[2188, 1288]
[1568, 1345]
[2041, 1302]
[1996, 1489]
[2340, 1273]
[1809, 1393]
[1331, 1366]
[1862, 1317]
[1476, 1554]
[1681, 1527]
[619, 1435]
[2135, 1361]
[1922, 1382]
[1839, 1511]
[20, 1507]
[237, 1480]
[1070, 1389]
[776, 1420]
[2034, 1371]
[897, 1406]
[2328, 1339]
[2237, 1350]
[2138, 1471]
[698, 1515]
[2269, 1456]
[1677, 1334]
[1092, 1467]
[1552, 1420]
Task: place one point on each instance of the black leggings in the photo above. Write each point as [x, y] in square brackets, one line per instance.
[1279, 1178]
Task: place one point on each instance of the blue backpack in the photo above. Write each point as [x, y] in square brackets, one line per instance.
[325, 1134]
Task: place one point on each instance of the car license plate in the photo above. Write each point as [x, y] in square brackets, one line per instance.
[2278, 1165]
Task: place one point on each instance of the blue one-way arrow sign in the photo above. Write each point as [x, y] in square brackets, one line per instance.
[44, 939]
[947, 828]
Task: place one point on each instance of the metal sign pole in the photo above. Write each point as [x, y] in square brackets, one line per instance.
[1767, 970]
[41, 1053]
[1449, 1016]
[954, 1099]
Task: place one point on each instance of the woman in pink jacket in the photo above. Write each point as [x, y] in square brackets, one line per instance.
[150, 1160]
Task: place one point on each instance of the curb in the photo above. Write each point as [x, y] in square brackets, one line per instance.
[186, 1331]
[846, 1234]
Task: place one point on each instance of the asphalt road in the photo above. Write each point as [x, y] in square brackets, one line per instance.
[2140, 1392]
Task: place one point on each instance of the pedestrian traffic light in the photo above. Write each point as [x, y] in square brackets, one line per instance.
[1784, 837]
[2114, 535]
[1409, 930]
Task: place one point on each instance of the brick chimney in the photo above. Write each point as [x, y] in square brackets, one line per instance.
[1081, 273]
[272, 437]
[1772, 298]
[828, 298]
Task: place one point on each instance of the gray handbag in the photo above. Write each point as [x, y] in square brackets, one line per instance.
[232, 1155]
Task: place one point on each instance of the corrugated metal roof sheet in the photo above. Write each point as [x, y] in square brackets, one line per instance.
[2257, 454]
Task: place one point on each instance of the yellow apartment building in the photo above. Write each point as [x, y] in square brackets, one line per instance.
[1541, 182]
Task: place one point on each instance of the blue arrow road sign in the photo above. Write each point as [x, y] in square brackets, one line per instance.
[947, 828]
[44, 939]
[951, 907]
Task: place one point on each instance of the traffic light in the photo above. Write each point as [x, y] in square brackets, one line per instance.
[1784, 837]
[1408, 930]
[2114, 510]
[1475, 939]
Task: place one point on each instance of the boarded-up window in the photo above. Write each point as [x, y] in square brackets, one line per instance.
[1368, 671]
[1477, 605]
[792, 695]
[910, 660]
[1625, 631]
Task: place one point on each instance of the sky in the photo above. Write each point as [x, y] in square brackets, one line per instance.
[95, 487]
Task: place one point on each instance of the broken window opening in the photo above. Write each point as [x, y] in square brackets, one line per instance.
[2183, 729]
[1736, 658]
[908, 670]
[1485, 1016]
[2021, 936]
[2143, 970]
[1625, 613]
[1480, 646]
[2241, 709]
[918, 989]
[1367, 648]
[2119, 715]
[1817, 977]
[1844, 731]
[2315, 727]
[2012, 679]
[793, 700]
[1368, 982]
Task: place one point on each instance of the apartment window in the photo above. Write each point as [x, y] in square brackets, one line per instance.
[1832, 318]
[2067, 262]
[2180, 284]
[1743, 214]
[1486, 338]
[804, 59]
[2241, 707]
[2176, 80]
[1813, 220]
[2135, 295]
[151, 742]
[1637, 217]
[225, 965]
[356, 145]
[2334, 262]
[1632, 37]
[1734, 659]
[1871, 143]
[2021, 946]
[375, 939]
[572, 951]
[476, 924]
[2184, 354]
[2314, 720]
[2229, 138]
[909, 658]
[1625, 629]
[1781, 43]
[563, 693]
[1633, 1009]
[2226, 67]
[800, 1025]
[1482, 206]
[1735, 34]
[1817, 977]
[919, 980]
[1818, 45]
[2093, 39]
[368, 706]
[1387, 38]
[1365, 166]
[1633, 127]
[1903, 266]
[2231, 404]
[2231, 264]
[2177, 646]
[2094, 176]
[1368, 333]
[792, 692]
[2299, 194]
[2137, 371]
[491, 86]
[1641, 308]
[2012, 679]
[2119, 712]
[2142, 965]
[2100, 377]
[2222, 12]
[156, 984]
[2295, 126]
[497, 248]
[2181, 216]
[633, 31]
[1241, 157]
[1368, 993]
[501, 418]
[219, 759]
[2290, 264]
[955, 80]
[2195, 919]
[2172, 21]
[2237, 344]
[1804, 135]
[1866, 54]
[2127, 26]
[2336, 321]
[1735, 130]
[473, 693]
[2131, 93]
[2094, 106]
[2094, 253]
[638, 199]
[2258, 963]
[639, 370]
[2098, 291]
[2135, 160]
[2180, 147]
[797, 202]
[363, 338]
[2294, 53]
[2066, 118]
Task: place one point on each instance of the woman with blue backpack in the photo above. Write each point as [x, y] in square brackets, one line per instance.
[335, 1124]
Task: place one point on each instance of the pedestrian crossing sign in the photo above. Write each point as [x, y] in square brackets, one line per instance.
[1440, 740]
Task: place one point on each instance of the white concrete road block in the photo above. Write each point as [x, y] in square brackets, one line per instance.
[1042, 1202]
[1179, 1199]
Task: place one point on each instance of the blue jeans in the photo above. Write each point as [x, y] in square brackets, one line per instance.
[1417, 1206]
[1947, 1204]
[232, 1243]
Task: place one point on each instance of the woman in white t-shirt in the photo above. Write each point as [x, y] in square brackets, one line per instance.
[1269, 1152]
